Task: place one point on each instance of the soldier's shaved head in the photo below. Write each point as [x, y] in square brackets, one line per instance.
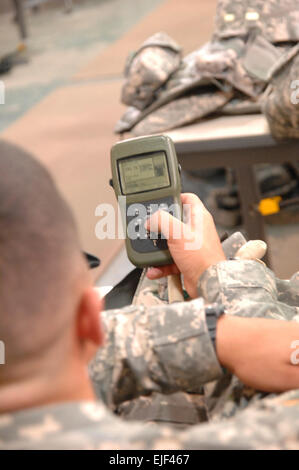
[41, 265]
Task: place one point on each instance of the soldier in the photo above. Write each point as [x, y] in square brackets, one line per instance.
[49, 324]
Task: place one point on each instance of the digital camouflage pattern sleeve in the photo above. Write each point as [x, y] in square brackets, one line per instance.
[148, 69]
[248, 288]
[288, 290]
[154, 349]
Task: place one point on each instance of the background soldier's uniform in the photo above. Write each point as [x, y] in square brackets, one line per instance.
[165, 349]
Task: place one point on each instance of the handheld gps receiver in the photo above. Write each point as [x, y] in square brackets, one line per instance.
[146, 173]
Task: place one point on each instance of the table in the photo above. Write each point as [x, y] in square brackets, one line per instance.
[237, 142]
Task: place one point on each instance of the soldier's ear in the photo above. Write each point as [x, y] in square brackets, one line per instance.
[88, 317]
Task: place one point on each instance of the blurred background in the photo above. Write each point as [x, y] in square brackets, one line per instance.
[62, 99]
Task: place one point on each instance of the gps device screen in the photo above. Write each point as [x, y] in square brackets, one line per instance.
[143, 173]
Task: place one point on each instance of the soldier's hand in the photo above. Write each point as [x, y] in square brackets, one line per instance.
[194, 244]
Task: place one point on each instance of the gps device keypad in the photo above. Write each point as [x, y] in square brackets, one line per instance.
[146, 242]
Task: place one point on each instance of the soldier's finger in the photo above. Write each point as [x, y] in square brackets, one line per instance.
[162, 271]
[163, 222]
[193, 209]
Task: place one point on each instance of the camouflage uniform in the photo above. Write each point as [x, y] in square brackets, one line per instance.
[249, 66]
[168, 348]
[277, 20]
[280, 102]
[149, 68]
[252, 38]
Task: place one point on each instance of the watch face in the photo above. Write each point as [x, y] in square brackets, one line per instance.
[144, 173]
